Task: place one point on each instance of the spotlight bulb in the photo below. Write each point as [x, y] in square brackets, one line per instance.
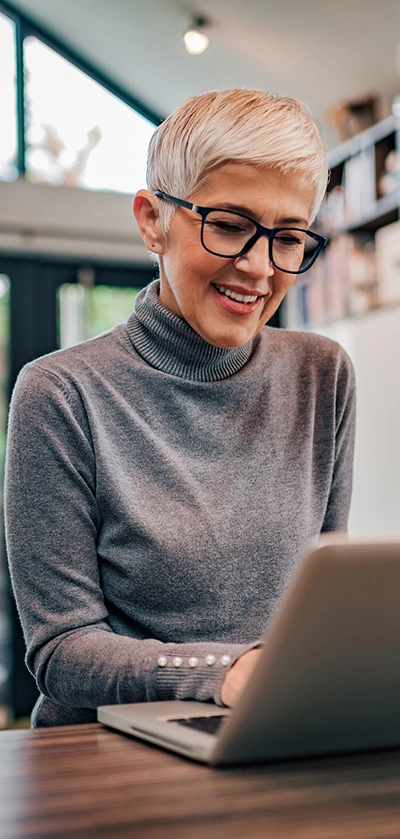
[195, 40]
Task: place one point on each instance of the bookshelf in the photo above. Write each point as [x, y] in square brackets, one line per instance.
[360, 268]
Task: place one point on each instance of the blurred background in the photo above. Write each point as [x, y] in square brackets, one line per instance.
[82, 87]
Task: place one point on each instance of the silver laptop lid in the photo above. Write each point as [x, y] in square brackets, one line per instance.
[328, 679]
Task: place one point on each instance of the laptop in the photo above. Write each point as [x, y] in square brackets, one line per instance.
[328, 677]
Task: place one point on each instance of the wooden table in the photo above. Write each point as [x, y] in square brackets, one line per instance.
[87, 782]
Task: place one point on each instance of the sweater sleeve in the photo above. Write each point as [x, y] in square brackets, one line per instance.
[52, 524]
[338, 506]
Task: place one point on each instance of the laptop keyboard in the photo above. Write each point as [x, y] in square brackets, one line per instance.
[210, 725]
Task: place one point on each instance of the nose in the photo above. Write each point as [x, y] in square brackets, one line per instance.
[256, 261]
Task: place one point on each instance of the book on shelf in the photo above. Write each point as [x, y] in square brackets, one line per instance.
[387, 241]
[316, 294]
[359, 185]
[305, 302]
[294, 309]
[362, 283]
[332, 214]
[336, 277]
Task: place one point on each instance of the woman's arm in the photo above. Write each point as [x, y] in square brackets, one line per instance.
[52, 526]
[338, 506]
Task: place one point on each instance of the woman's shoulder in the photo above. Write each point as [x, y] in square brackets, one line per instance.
[95, 352]
[290, 355]
[69, 370]
[302, 345]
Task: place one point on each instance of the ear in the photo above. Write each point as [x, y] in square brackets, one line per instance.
[145, 208]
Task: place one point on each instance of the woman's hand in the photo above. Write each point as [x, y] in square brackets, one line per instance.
[238, 676]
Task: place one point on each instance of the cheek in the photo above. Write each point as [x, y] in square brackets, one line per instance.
[183, 257]
[196, 269]
[284, 282]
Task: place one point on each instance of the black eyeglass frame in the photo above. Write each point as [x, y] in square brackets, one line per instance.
[270, 233]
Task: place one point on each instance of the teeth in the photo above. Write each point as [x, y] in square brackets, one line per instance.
[241, 298]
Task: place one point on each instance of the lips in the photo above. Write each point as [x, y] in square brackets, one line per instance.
[235, 295]
[238, 293]
[238, 300]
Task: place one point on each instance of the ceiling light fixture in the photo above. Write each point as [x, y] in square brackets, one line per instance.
[195, 39]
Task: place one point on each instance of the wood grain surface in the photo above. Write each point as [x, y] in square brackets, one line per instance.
[87, 782]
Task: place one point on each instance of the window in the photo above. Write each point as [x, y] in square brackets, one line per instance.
[84, 312]
[62, 121]
[8, 101]
[78, 133]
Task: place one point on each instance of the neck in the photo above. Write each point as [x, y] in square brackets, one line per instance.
[169, 344]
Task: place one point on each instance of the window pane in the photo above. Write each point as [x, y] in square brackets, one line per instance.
[8, 133]
[86, 312]
[78, 133]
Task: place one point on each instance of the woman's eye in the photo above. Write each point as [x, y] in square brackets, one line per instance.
[287, 241]
[226, 226]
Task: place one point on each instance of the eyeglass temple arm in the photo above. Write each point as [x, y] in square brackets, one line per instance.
[178, 201]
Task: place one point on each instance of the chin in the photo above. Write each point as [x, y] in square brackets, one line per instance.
[228, 342]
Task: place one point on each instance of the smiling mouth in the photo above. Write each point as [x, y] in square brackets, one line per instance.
[234, 295]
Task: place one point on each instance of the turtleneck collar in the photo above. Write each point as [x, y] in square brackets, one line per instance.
[168, 343]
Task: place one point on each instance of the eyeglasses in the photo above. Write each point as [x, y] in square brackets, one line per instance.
[229, 234]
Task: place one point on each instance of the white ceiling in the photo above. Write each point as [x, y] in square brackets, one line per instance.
[321, 51]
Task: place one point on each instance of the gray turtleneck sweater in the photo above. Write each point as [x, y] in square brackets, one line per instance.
[159, 493]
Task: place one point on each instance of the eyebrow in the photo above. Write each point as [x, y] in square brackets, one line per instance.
[245, 211]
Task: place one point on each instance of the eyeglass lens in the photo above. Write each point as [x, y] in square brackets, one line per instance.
[226, 234]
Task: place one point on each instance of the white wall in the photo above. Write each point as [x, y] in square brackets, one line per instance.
[373, 343]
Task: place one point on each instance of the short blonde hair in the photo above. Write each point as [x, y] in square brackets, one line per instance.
[253, 126]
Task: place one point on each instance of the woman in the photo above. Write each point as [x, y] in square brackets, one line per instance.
[164, 479]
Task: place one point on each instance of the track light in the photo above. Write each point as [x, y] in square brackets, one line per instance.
[195, 39]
